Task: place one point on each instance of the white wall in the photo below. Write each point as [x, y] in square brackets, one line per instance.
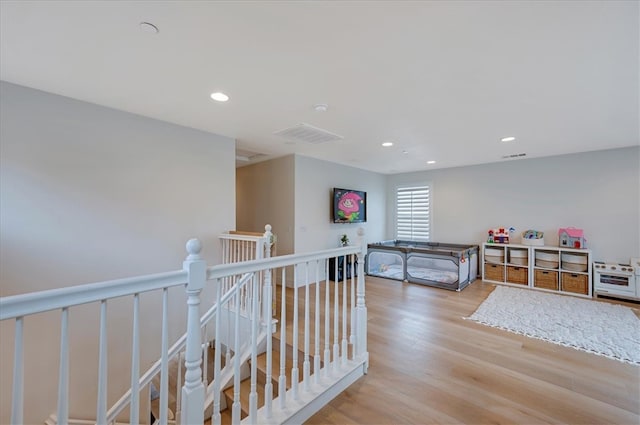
[293, 194]
[596, 191]
[265, 195]
[88, 193]
[314, 181]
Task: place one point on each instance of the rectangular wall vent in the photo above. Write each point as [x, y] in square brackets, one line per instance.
[308, 133]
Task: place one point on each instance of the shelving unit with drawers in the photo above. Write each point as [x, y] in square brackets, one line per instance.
[508, 264]
[565, 270]
[547, 268]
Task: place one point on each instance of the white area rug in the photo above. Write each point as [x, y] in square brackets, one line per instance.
[597, 327]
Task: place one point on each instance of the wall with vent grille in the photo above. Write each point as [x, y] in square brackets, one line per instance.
[596, 191]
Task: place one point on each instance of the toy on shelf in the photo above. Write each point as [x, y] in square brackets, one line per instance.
[533, 237]
[500, 235]
[571, 237]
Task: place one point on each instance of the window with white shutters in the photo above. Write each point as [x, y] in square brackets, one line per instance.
[413, 219]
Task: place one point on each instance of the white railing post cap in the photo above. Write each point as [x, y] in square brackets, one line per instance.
[268, 228]
[194, 246]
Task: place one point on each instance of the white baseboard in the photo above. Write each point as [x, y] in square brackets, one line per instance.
[298, 411]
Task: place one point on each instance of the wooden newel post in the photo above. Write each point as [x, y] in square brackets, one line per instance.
[361, 308]
[193, 388]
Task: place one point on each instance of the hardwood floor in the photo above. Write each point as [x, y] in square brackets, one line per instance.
[429, 365]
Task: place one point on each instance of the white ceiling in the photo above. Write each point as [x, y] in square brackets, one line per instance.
[443, 80]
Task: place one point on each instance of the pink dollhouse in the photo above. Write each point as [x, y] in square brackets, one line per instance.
[571, 237]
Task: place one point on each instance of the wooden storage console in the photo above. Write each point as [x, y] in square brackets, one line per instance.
[547, 268]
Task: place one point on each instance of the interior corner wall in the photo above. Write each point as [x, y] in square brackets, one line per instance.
[314, 181]
[88, 193]
[596, 191]
[265, 195]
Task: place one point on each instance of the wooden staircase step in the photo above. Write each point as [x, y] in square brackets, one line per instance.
[245, 390]
[261, 367]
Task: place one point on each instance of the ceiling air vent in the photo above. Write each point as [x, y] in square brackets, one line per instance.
[308, 133]
[515, 155]
[247, 156]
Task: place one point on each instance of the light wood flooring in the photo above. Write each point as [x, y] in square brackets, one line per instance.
[429, 365]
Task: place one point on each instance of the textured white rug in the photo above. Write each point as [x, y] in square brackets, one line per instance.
[597, 327]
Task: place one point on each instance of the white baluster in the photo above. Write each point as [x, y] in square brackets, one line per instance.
[352, 308]
[205, 356]
[235, 251]
[101, 410]
[164, 359]
[227, 358]
[134, 410]
[294, 370]
[306, 365]
[17, 404]
[225, 251]
[193, 389]
[361, 309]
[344, 311]
[218, 355]
[266, 253]
[282, 379]
[253, 394]
[268, 387]
[336, 307]
[63, 378]
[316, 358]
[235, 410]
[327, 322]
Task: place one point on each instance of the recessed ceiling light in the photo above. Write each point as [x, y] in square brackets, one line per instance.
[320, 107]
[387, 144]
[220, 97]
[431, 162]
[149, 27]
[508, 139]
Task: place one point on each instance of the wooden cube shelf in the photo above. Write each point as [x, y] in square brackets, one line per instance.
[550, 268]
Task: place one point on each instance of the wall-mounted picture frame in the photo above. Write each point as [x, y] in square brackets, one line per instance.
[349, 206]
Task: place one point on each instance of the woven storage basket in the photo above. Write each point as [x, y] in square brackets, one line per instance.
[519, 275]
[546, 279]
[494, 272]
[576, 283]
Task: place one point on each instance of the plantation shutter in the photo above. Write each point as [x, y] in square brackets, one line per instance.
[412, 213]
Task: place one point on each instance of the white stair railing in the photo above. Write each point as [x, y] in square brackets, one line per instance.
[239, 246]
[21, 307]
[324, 377]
